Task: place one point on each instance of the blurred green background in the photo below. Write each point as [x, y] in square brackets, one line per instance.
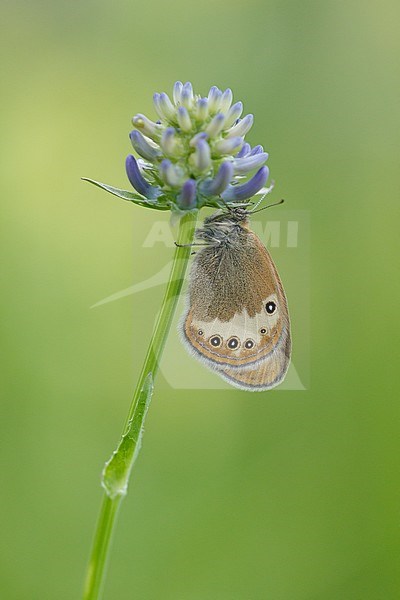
[283, 495]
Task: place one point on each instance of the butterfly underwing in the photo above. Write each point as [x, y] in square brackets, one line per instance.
[237, 321]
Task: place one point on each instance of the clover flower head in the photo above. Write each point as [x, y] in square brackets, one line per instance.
[194, 154]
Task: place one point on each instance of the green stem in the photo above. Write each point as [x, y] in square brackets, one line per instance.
[118, 468]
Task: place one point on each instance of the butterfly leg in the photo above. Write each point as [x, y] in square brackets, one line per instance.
[189, 245]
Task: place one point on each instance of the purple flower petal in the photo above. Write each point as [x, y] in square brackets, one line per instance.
[228, 146]
[142, 147]
[149, 128]
[202, 155]
[168, 140]
[237, 193]
[202, 108]
[187, 95]
[216, 125]
[177, 92]
[166, 106]
[256, 150]
[249, 163]
[242, 127]
[138, 181]
[233, 114]
[172, 174]
[184, 119]
[215, 187]
[244, 151]
[214, 99]
[187, 197]
[226, 100]
[202, 135]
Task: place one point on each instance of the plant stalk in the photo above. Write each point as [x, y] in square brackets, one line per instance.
[118, 468]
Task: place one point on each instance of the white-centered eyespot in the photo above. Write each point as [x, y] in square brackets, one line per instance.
[215, 341]
[270, 307]
[249, 344]
[233, 343]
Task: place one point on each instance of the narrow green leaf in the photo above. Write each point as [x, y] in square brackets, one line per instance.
[124, 194]
[117, 470]
[130, 196]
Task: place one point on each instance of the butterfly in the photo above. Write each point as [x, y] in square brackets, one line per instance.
[237, 321]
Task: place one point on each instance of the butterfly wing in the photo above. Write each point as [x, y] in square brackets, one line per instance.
[237, 320]
[266, 374]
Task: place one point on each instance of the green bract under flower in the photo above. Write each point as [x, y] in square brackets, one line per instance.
[195, 155]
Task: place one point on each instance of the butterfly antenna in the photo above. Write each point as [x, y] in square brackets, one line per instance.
[263, 192]
[268, 206]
